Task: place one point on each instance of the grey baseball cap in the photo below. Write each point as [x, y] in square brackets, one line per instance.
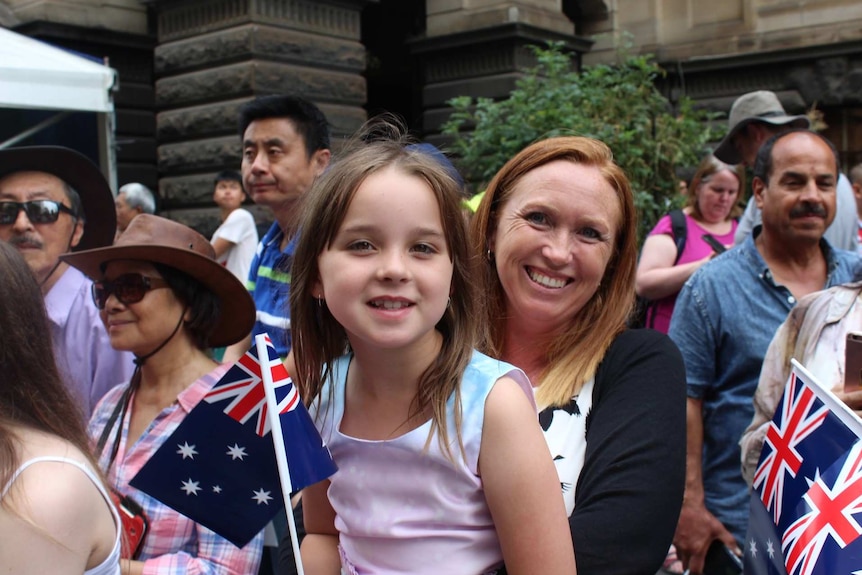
[761, 106]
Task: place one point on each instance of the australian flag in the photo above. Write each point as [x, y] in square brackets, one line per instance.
[219, 467]
[806, 503]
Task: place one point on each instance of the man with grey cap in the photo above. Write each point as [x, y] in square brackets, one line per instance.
[754, 118]
[725, 317]
[54, 200]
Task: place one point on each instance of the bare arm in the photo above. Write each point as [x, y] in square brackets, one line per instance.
[514, 459]
[697, 527]
[221, 246]
[237, 350]
[657, 276]
[320, 546]
[54, 520]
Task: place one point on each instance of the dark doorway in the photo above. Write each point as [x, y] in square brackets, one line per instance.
[393, 76]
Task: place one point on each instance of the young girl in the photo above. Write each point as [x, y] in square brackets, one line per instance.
[442, 466]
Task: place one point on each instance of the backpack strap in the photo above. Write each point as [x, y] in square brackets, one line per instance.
[679, 229]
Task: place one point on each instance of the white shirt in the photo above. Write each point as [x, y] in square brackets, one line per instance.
[239, 229]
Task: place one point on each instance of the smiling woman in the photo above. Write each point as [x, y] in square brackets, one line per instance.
[162, 296]
[556, 234]
[555, 231]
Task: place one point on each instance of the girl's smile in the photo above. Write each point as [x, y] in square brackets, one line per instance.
[387, 275]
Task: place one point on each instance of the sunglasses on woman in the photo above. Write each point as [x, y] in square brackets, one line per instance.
[127, 288]
[38, 211]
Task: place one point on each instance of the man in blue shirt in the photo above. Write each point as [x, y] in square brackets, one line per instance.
[285, 146]
[728, 312]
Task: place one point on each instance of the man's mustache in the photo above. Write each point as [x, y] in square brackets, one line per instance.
[26, 239]
[806, 210]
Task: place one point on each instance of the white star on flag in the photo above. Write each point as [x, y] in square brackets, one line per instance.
[770, 548]
[262, 496]
[236, 452]
[186, 450]
[216, 489]
[191, 487]
[752, 548]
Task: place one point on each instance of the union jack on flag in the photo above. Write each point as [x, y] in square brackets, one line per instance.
[243, 385]
[806, 505]
[219, 466]
[831, 510]
[795, 420]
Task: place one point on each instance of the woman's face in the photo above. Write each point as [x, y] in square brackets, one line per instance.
[552, 242]
[717, 195]
[140, 327]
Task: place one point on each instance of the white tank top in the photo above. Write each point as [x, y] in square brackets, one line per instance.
[111, 564]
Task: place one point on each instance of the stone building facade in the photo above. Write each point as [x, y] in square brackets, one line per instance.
[186, 65]
[808, 52]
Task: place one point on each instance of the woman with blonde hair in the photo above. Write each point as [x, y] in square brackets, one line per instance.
[556, 230]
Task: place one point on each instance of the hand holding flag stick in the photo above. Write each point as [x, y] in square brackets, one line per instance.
[219, 468]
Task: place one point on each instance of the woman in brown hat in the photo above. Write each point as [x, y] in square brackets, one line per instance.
[163, 297]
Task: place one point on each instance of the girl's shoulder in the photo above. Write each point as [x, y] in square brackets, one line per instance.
[51, 471]
[36, 444]
[483, 372]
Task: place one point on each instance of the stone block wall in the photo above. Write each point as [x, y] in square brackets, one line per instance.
[480, 48]
[212, 56]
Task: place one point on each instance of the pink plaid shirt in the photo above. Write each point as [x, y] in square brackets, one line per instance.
[175, 544]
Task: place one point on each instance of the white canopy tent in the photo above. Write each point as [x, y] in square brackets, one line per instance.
[37, 76]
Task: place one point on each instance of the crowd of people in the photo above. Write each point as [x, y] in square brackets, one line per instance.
[473, 371]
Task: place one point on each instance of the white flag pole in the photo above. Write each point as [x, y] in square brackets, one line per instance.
[278, 443]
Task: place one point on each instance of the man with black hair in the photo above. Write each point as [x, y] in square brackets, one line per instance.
[728, 312]
[235, 240]
[53, 200]
[285, 146]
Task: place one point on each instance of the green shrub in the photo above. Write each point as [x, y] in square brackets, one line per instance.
[618, 104]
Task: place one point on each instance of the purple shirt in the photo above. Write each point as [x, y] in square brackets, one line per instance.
[695, 249]
[88, 364]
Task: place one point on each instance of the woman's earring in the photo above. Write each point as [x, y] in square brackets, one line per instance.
[320, 302]
[489, 254]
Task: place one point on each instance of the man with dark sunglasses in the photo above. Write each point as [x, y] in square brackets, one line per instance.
[53, 200]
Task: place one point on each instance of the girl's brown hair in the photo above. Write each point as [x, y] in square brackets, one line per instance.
[32, 394]
[572, 358]
[318, 339]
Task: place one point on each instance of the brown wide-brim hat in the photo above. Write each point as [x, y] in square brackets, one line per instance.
[100, 216]
[159, 240]
[761, 106]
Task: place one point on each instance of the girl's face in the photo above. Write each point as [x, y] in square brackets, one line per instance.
[140, 327]
[717, 195]
[552, 242]
[386, 278]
